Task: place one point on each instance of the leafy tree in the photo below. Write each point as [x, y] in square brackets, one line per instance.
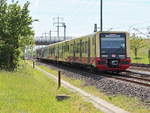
[15, 33]
[136, 43]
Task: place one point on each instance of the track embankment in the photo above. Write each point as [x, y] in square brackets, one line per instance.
[97, 102]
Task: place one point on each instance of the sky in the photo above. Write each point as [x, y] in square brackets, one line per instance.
[81, 15]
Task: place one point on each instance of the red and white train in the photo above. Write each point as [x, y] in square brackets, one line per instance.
[106, 51]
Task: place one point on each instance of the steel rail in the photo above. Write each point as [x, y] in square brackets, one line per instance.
[131, 81]
[119, 77]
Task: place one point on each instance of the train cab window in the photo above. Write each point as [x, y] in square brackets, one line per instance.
[113, 45]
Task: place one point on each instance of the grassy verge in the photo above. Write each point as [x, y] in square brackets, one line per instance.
[143, 59]
[132, 105]
[30, 91]
[142, 56]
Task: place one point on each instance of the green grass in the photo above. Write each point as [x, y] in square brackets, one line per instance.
[30, 91]
[142, 57]
[132, 105]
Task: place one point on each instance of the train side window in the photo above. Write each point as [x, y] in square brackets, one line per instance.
[93, 41]
[65, 48]
[74, 47]
[50, 51]
[84, 45]
[68, 47]
[79, 47]
[86, 48]
[61, 51]
[71, 47]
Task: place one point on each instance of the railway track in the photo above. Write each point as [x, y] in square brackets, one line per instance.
[127, 77]
[133, 79]
[112, 84]
[140, 65]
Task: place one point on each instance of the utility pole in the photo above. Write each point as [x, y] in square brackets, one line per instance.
[44, 36]
[64, 25]
[58, 22]
[50, 35]
[101, 15]
[95, 27]
[58, 27]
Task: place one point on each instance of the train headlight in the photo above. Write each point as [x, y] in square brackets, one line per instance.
[124, 62]
[121, 56]
[101, 62]
[104, 56]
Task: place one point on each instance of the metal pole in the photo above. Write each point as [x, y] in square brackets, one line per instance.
[101, 15]
[58, 28]
[50, 35]
[33, 64]
[59, 79]
[95, 27]
[64, 31]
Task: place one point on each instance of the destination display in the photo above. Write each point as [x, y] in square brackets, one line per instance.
[112, 35]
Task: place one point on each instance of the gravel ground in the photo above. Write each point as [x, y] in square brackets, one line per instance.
[108, 85]
[140, 68]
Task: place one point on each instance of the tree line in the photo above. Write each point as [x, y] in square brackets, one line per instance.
[16, 33]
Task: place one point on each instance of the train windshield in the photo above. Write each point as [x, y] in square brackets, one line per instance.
[113, 45]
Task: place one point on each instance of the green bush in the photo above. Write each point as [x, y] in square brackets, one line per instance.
[15, 33]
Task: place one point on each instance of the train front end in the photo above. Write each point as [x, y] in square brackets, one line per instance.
[113, 52]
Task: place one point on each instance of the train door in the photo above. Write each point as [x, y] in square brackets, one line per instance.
[58, 51]
[88, 50]
[81, 50]
[74, 55]
[93, 49]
